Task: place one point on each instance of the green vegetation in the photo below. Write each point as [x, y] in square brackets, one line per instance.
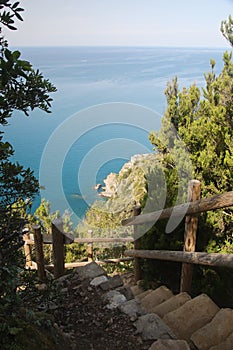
[21, 88]
[203, 119]
[195, 141]
[127, 189]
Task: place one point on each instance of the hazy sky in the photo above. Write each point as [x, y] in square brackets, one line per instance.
[122, 22]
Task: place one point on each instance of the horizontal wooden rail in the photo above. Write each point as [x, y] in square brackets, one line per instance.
[210, 259]
[83, 263]
[47, 239]
[99, 262]
[191, 208]
[104, 240]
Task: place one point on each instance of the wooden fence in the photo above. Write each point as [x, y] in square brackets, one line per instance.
[59, 239]
[188, 256]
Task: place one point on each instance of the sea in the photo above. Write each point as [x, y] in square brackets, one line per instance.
[108, 99]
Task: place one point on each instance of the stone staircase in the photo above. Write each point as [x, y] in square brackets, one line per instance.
[175, 322]
[196, 323]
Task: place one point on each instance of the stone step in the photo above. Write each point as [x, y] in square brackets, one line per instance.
[170, 321]
[169, 344]
[142, 295]
[191, 316]
[156, 297]
[171, 304]
[225, 345]
[196, 322]
[216, 331]
[136, 290]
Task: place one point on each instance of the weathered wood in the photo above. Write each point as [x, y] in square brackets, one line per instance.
[83, 263]
[137, 269]
[38, 241]
[216, 202]
[99, 262]
[68, 238]
[103, 240]
[199, 258]
[47, 239]
[27, 250]
[58, 248]
[89, 247]
[194, 191]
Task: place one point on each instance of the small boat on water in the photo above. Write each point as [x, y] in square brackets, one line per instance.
[76, 195]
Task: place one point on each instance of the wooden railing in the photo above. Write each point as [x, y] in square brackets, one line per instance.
[58, 239]
[188, 256]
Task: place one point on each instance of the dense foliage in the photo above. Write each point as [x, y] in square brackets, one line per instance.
[21, 88]
[203, 120]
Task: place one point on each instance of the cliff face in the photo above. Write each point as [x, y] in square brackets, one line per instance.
[131, 176]
[123, 191]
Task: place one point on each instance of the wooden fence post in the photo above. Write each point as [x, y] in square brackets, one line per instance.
[137, 270]
[38, 242]
[191, 221]
[89, 247]
[27, 249]
[58, 248]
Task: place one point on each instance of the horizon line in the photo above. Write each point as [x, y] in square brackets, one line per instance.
[124, 46]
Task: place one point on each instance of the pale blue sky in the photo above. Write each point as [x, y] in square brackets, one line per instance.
[122, 22]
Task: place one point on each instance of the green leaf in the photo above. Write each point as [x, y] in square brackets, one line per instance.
[15, 5]
[11, 27]
[8, 54]
[18, 16]
[15, 330]
[16, 55]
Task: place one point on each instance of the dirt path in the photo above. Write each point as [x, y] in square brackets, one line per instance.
[80, 313]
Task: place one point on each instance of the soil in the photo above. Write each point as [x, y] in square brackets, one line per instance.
[86, 323]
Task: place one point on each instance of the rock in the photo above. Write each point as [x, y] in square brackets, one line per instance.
[136, 290]
[128, 279]
[191, 316]
[63, 280]
[42, 287]
[112, 283]
[225, 345]
[152, 327]
[171, 304]
[64, 290]
[110, 185]
[214, 332]
[126, 291]
[52, 305]
[132, 308]
[91, 270]
[139, 283]
[156, 297]
[114, 298]
[169, 344]
[98, 280]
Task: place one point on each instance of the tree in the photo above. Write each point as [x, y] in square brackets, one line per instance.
[227, 30]
[203, 120]
[21, 88]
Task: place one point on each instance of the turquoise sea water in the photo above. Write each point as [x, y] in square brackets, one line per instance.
[90, 76]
